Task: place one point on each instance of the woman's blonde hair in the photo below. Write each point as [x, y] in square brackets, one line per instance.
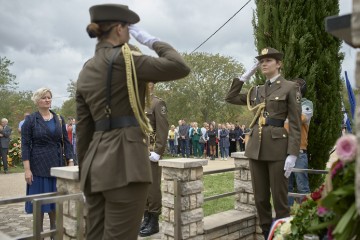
[38, 94]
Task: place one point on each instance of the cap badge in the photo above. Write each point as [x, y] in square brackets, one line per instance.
[264, 51]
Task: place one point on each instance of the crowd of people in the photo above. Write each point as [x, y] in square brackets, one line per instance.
[209, 141]
[113, 135]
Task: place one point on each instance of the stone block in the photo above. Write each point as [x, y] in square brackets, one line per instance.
[192, 187]
[245, 207]
[247, 231]
[243, 186]
[216, 234]
[244, 197]
[191, 216]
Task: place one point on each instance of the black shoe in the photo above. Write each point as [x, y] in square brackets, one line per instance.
[152, 227]
[5, 171]
[145, 221]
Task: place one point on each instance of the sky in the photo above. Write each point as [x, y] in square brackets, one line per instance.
[47, 41]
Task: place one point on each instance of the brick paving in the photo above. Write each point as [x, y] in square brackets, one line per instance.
[14, 222]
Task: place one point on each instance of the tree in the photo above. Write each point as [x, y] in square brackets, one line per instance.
[200, 96]
[7, 80]
[68, 109]
[310, 53]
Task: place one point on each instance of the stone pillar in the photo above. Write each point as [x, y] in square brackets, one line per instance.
[67, 182]
[188, 173]
[244, 199]
[355, 32]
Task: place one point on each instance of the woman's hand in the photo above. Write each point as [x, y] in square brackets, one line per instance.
[70, 162]
[28, 176]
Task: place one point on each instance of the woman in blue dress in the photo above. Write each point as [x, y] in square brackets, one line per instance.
[44, 140]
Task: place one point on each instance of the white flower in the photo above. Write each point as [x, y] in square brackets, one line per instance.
[278, 237]
[285, 228]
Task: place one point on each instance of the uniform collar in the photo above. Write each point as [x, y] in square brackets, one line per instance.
[272, 80]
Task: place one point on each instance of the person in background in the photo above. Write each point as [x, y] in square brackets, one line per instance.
[233, 139]
[69, 129]
[184, 139]
[114, 165]
[242, 138]
[271, 149]
[203, 140]
[301, 178]
[224, 142]
[22, 121]
[74, 140]
[171, 139]
[195, 137]
[212, 133]
[4, 142]
[157, 114]
[44, 141]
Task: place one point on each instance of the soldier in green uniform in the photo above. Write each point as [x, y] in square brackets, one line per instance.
[112, 127]
[157, 115]
[271, 149]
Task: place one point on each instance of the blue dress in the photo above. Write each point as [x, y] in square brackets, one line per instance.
[42, 184]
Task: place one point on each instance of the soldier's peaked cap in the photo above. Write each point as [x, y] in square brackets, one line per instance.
[113, 12]
[269, 52]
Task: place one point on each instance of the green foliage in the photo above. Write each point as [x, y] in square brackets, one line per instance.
[200, 96]
[7, 80]
[215, 184]
[297, 29]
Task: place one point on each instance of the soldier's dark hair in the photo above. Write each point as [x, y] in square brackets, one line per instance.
[302, 84]
[101, 30]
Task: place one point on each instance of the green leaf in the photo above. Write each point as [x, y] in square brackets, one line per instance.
[345, 220]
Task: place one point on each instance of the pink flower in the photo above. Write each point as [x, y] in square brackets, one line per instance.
[321, 211]
[337, 166]
[346, 148]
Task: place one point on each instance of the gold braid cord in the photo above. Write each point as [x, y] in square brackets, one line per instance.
[258, 110]
[133, 90]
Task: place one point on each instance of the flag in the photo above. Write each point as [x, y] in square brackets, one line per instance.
[351, 96]
[346, 120]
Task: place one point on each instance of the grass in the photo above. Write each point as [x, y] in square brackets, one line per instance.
[215, 184]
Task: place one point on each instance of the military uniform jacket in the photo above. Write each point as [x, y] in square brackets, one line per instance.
[115, 158]
[157, 115]
[282, 101]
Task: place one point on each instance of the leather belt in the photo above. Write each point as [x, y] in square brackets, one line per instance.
[303, 151]
[274, 122]
[114, 123]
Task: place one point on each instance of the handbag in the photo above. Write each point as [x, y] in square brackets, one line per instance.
[62, 142]
[202, 140]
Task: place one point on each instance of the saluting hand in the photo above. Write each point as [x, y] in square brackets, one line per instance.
[247, 75]
[142, 37]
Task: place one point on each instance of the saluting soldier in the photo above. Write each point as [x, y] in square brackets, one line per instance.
[111, 131]
[271, 149]
[157, 115]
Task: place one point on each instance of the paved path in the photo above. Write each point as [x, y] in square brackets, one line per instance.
[14, 222]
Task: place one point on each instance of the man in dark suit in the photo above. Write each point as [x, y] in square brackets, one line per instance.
[157, 115]
[271, 149]
[4, 142]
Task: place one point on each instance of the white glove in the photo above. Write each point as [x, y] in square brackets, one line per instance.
[142, 37]
[154, 157]
[247, 75]
[289, 164]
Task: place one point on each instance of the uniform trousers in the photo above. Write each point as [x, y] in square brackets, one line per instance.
[116, 213]
[153, 202]
[266, 176]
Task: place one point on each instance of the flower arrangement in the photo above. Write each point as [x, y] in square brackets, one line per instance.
[330, 211]
[15, 151]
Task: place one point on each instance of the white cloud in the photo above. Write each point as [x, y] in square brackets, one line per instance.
[47, 41]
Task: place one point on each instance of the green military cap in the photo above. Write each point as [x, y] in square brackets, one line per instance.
[269, 52]
[113, 12]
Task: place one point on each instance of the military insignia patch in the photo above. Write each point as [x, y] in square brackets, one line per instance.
[264, 51]
[163, 110]
[298, 96]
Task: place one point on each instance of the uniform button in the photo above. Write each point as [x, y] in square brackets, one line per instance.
[144, 140]
[276, 98]
[284, 135]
